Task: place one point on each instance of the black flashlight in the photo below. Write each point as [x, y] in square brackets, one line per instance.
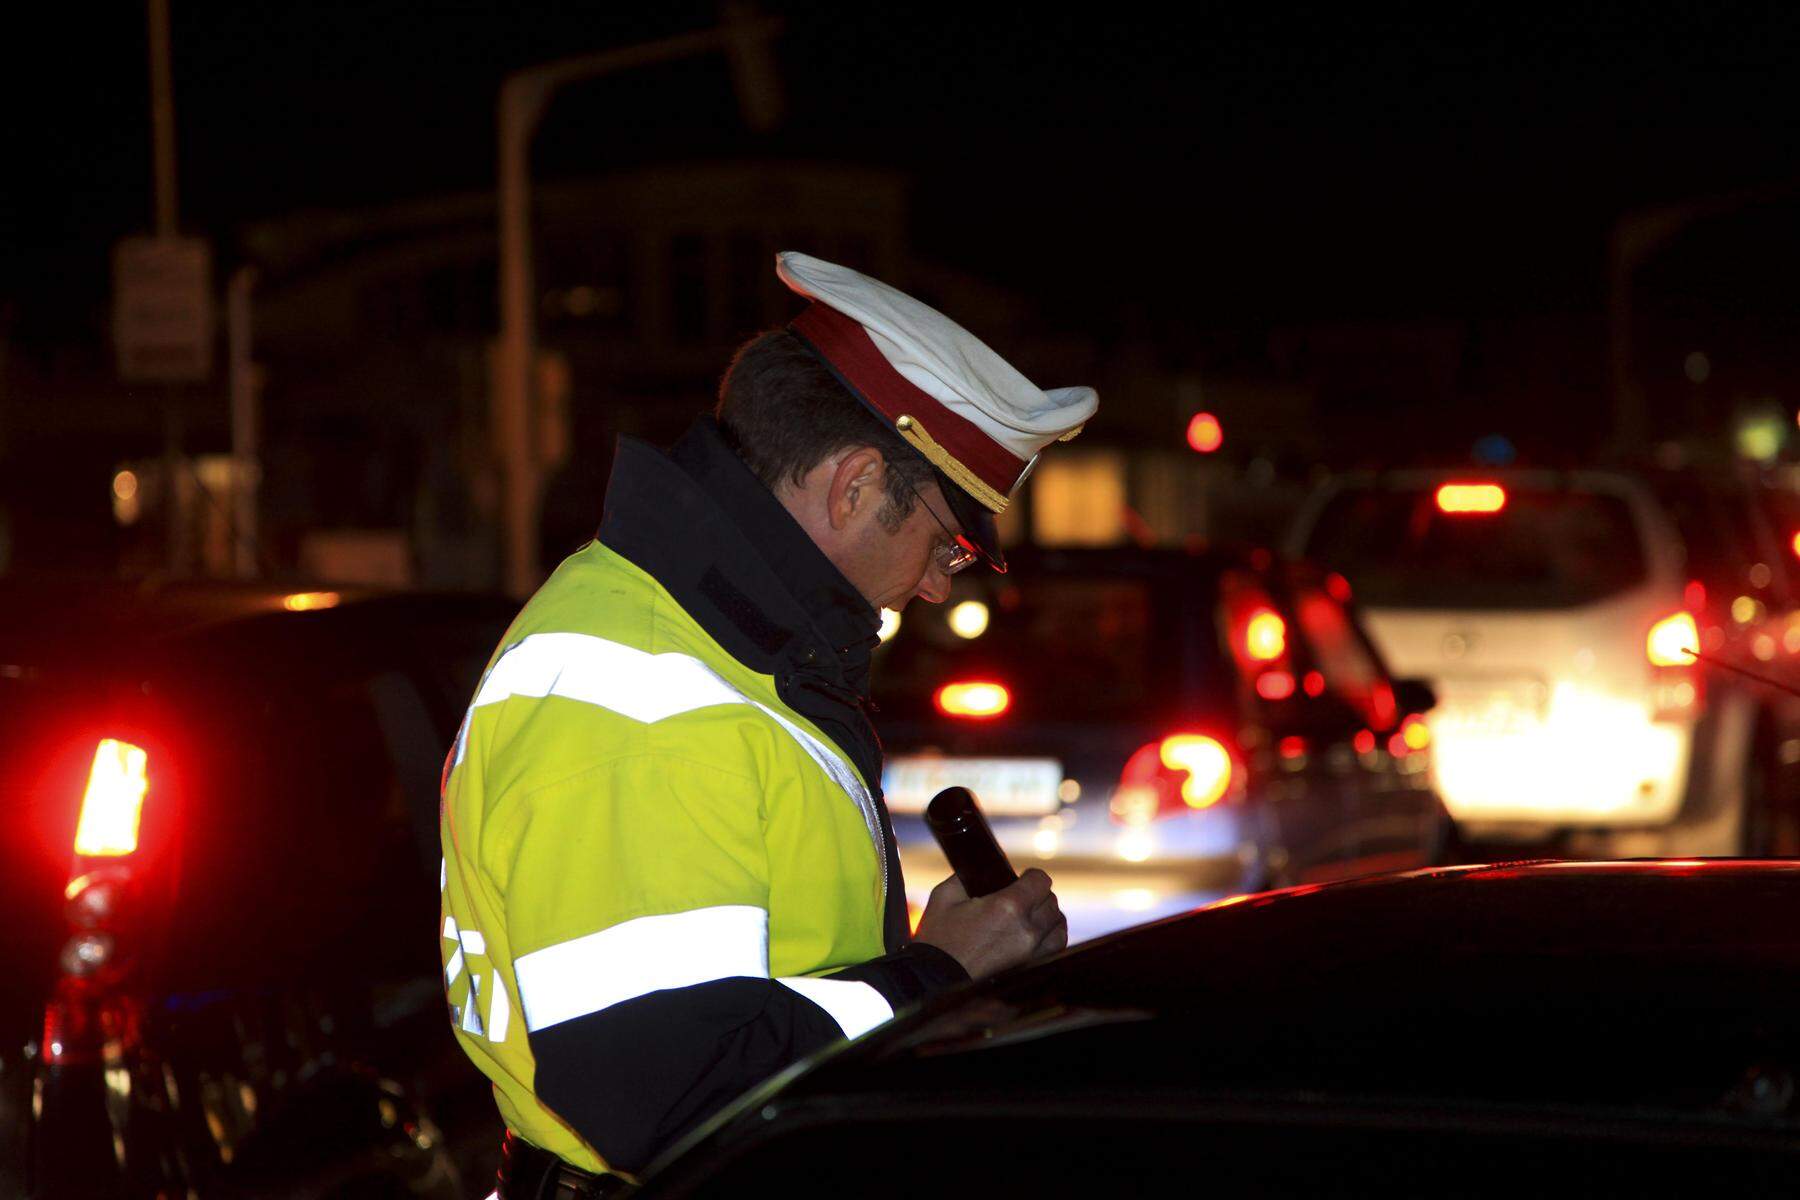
[956, 822]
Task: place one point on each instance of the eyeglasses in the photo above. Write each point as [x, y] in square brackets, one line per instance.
[957, 554]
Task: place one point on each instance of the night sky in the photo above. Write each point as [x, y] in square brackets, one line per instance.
[1234, 165]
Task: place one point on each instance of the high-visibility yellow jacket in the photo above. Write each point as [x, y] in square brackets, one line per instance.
[663, 881]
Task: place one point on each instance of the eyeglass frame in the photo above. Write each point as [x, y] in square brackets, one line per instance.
[962, 552]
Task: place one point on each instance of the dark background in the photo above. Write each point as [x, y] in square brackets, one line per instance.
[1224, 161]
[1219, 183]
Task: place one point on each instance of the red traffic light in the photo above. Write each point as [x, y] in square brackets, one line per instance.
[1204, 433]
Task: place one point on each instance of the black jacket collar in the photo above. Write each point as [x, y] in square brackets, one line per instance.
[706, 527]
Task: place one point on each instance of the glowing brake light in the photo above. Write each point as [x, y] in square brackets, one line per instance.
[1265, 635]
[1471, 498]
[977, 699]
[1275, 685]
[1412, 736]
[1415, 733]
[1671, 640]
[1207, 763]
[114, 800]
[1182, 772]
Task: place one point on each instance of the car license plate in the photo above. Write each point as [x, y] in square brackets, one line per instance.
[1489, 708]
[1006, 787]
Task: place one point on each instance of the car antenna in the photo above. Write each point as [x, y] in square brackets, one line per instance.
[1789, 688]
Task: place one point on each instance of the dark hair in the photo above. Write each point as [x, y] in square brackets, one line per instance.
[784, 412]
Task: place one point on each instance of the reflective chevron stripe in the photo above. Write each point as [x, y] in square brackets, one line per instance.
[856, 1007]
[648, 954]
[647, 688]
[672, 950]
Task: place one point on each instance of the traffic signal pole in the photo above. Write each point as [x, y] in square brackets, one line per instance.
[524, 97]
[162, 160]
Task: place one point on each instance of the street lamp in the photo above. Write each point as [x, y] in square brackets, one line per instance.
[524, 96]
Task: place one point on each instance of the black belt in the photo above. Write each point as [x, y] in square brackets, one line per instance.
[528, 1173]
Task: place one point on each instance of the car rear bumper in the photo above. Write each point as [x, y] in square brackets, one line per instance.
[1607, 769]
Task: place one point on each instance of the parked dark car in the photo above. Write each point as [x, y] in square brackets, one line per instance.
[1542, 1028]
[1157, 728]
[221, 882]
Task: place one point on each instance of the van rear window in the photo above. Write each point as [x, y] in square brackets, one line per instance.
[1068, 647]
[1543, 549]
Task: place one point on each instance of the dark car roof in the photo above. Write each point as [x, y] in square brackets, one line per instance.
[59, 619]
[1642, 988]
[60, 616]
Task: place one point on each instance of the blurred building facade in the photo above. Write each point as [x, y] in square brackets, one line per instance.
[374, 336]
[376, 330]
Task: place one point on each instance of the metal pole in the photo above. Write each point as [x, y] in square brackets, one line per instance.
[246, 469]
[162, 155]
[521, 104]
[523, 98]
[175, 484]
[162, 119]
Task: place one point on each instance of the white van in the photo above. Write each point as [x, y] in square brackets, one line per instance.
[1554, 612]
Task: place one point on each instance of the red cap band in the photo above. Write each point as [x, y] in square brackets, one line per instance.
[846, 345]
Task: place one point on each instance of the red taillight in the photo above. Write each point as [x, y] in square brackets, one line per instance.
[1471, 498]
[1265, 635]
[1275, 685]
[1182, 771]
[1673, 641]
[114, 801]
[1677, 689]
[1383, 707]
[1206, 762]
[1257, 635]
[976, 699]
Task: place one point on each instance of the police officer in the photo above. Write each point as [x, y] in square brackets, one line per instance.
[668, 871]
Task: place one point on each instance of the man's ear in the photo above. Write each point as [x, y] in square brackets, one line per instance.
[857, 486]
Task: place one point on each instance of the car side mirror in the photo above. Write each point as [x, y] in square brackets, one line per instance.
[1414, 697]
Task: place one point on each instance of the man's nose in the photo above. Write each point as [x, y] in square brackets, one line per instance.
[935, 587]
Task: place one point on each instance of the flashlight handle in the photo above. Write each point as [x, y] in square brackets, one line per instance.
[956, 822]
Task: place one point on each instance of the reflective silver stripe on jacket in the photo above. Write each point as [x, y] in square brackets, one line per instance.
[672, 950]
[648, 688]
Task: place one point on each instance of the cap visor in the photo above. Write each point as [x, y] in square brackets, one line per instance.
[976, 521]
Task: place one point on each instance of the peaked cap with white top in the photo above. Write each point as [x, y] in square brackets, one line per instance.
[966, 409]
